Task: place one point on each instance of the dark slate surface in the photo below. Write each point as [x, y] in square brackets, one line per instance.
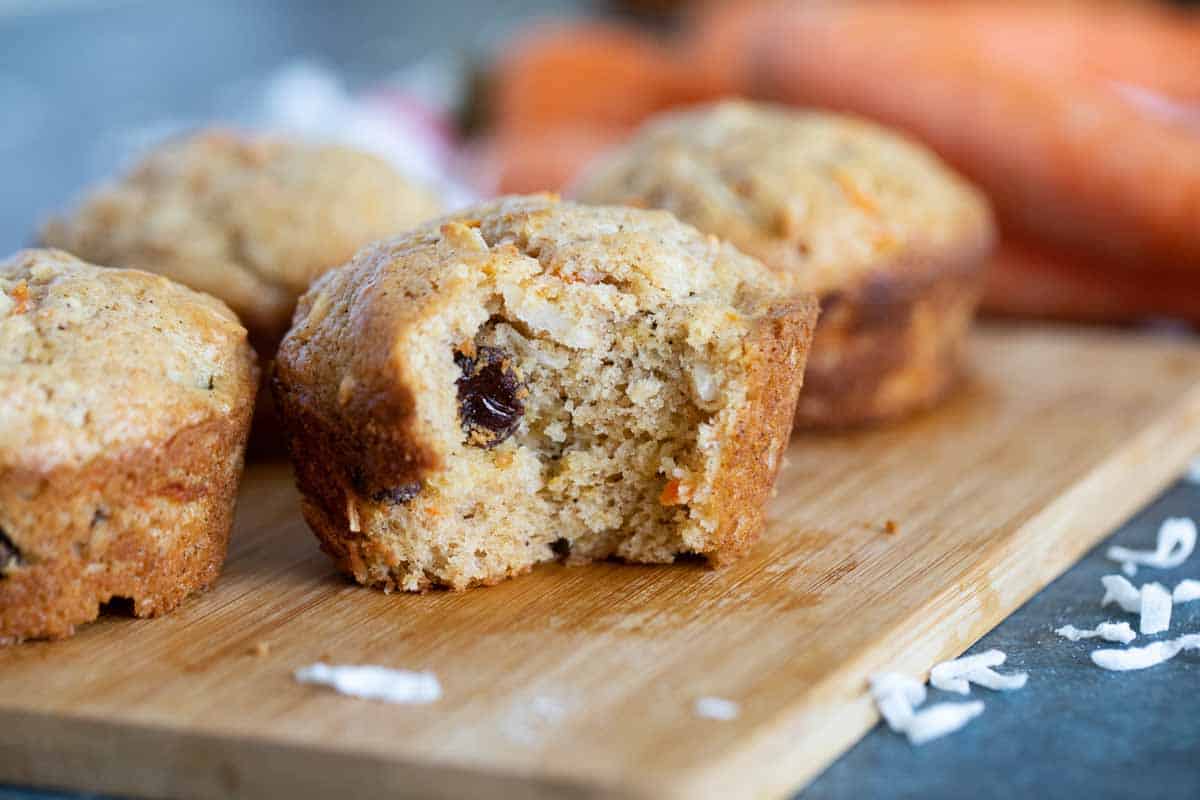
[1075, 730]
[71, 81]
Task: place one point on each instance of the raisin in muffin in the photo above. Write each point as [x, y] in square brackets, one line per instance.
[533, 380]
[126, 405]
[889, 238]
[250, 219]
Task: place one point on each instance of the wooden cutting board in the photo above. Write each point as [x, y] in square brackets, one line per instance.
[580, 682]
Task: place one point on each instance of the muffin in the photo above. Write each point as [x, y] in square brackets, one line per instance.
[891, 240]
[1080, 120]
[127, 401]
[532, 380]
[250, 219]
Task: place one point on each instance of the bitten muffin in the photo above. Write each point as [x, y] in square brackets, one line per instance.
[889, 238]
[126, 405]
[532, 380]
[250, 219]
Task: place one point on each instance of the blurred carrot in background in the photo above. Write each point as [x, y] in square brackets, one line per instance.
[537, 160]
[1058, 111]
[1142, 42]
[564, 93]
[1026, 279]
[604, 75]
[1080, 119]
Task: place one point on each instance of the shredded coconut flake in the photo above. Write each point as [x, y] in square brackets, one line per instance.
[959, 674]
[374, 683]
[705, 383]
[1186, 591]
[540, 314]
[896, 695]
[716, 708]
[1153, 601]
[1116, 632]
[1119, 590]
[1108, 631]
[941, 719]
[990, 679]
[950, 676]
[1156, 609]
[1148, 656]
[896, 711]
[893, 682]
[1176, 541]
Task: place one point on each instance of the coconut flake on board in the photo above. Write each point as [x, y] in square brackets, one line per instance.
[1150, 655]
[1176, 541]
[374, 683]
[717, 708]
[1108, 631]
[959, 674]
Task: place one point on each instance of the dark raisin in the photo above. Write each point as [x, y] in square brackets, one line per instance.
[490, 396]
[561, 547]
[398, 495]
[118, 607]
[10, 555]
[358, 479]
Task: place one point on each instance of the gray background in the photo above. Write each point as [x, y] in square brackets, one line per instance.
[77, 77]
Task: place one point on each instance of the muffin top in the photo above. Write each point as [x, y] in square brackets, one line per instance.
[250, 219]
[564, 269]
[94, 361]
[374, 340]
[823, 197]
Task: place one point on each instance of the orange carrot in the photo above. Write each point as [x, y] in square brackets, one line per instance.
[1067, 153]
[589, 73]
[1030, 280]
[548, 161]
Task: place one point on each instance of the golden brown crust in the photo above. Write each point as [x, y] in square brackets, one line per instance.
[150, 524]
[658, 371]
[334, 468]
[251, 219]
[778, 348]
[893, 344]
[95, 361]
[824, 198]
[364, 429]
[889, 237]
[126, 406]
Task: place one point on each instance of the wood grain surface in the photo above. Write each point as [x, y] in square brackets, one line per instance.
[580, 681]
